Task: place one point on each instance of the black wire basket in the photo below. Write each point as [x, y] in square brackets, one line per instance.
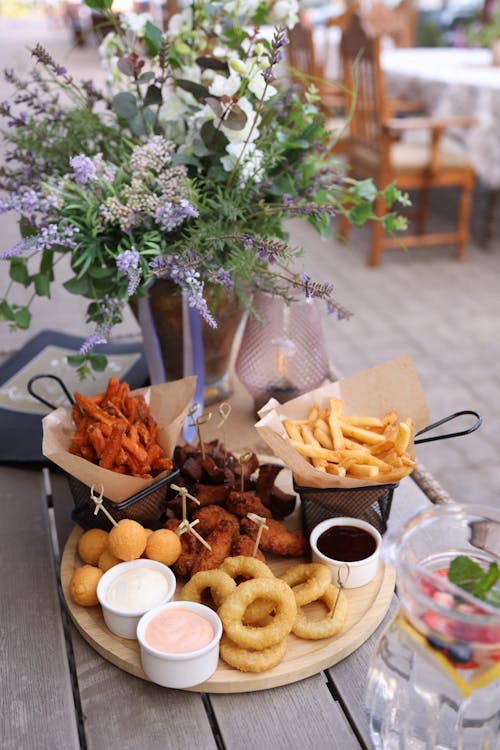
[371, 503]
[147, 506]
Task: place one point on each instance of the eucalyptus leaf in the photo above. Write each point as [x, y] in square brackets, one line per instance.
[145, 77]
[125, 66]
[196, 89]
[236, 119]
[153, 96]
[215, 105]
[125, 105]
[213, 63]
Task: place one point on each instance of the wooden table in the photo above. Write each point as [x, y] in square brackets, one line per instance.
[58, 693]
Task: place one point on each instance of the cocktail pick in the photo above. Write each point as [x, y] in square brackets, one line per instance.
[261, 523]
[98, 500]
[242, 460]
[224, 411]
[197, 422]
[342, 576]
[184, 524]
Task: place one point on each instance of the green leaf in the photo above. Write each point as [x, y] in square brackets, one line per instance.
[98, 361]
[42, 284]
[125, 105]
[26, 228]
[22, 317]
[152, 38]
[153, 96]
[78, 286]
[365, 189]
[187, 159]
[359, 215]
[214, 139]
[493, 597]
[6, 311]
[19, 271]
[99, 4]
[47, 263]
[487, 582]
[145, 77]
[464, 572]
[75, 359]
[196, 89]
[101, 273]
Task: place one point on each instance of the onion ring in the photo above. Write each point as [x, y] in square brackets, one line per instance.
[221, 585]
[233, 609]
[247, 660]
[308, 581]
[326, 627]
[250, 567]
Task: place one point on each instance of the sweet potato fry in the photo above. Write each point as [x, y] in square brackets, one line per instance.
[113, 445]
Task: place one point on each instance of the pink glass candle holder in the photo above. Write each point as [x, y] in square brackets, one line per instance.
[282, 354]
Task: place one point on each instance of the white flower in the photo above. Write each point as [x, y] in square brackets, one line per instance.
[285, 12]
[180, 21]
[136, 22]
[223, 86]
[249, 131]
[243, 7]
[257, 86]
[172, 107]
[250, 162]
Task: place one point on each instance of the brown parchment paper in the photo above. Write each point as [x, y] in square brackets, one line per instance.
[374, 392]
[169, 403]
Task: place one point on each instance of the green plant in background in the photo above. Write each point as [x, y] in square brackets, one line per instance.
[185, 165]
[484, 34]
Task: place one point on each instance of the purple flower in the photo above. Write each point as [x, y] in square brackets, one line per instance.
[128, 264]
[46, 239]
[247, 241]
[84, 169]
[93, 340]
[170, 216]
[223, 277]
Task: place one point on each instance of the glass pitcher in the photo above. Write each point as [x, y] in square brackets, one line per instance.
[434, 677]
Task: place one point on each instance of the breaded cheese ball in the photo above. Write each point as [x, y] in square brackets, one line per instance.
[83, 585]
[164, 546]
[127, 540]
[107, 560]
[92, 544]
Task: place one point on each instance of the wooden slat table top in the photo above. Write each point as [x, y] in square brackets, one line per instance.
[117, 709]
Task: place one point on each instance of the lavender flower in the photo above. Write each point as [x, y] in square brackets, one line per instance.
[128, 264]
[83, 168]
[170, 216]
[48, 237]
[221, 276]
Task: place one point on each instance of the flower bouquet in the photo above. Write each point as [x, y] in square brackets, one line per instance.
[184, 166]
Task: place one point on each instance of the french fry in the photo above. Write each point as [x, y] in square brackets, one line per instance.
[357, 446]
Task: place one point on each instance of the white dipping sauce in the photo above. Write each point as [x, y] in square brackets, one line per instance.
[137, 590]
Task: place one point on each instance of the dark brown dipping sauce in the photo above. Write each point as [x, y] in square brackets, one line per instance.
[346, 543]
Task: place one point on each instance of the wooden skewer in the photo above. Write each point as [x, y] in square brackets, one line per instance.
[242, 460]
[342, 576]
[98, 500]
[261, 523]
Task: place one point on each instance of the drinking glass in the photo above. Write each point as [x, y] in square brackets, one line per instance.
[434, 677]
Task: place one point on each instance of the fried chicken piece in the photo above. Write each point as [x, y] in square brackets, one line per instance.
[276, 538]
[243, 545]
[209, 516]
[246, 502]
[190, 547]
[221, 542]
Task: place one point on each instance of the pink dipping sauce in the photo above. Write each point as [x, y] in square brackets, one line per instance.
[178, 631]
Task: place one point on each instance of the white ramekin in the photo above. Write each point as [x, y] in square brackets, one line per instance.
[352, 574]
[124, 624]
[180, 670]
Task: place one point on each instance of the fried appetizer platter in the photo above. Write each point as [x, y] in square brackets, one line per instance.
[216, 479]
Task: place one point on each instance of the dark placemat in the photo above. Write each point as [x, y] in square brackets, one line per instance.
[21, 414]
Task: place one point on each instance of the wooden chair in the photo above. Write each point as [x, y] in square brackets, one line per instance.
[375, 151]
[398, 23]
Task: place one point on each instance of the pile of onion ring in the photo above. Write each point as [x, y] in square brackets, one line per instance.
[260, 611]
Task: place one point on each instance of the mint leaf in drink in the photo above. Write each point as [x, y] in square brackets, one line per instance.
[471, 577]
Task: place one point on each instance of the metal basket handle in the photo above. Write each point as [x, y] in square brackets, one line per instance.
[432, 426]
[43, 400]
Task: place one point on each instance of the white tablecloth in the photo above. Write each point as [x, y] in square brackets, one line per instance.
[452, 81]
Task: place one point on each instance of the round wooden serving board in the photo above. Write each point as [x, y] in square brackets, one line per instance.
[366, 608]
